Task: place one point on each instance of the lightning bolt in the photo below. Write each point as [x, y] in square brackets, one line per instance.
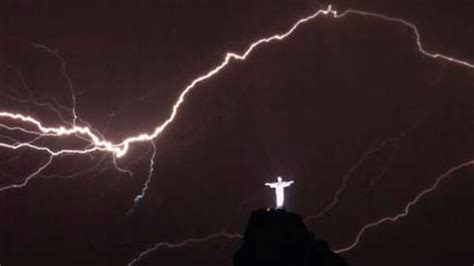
[99, 143]
[394, 141]
[407, 208]
[28, 178]
[183, 243]
[68, 78]
[346, 177]
[151, 170]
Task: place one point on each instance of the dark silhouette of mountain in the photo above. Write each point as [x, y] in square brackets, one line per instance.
[276, 237]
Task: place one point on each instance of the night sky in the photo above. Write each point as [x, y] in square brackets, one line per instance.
[340, 99]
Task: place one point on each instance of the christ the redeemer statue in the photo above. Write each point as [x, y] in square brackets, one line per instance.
[279, 190]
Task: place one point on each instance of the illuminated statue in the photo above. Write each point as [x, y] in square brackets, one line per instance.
[279, 190]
